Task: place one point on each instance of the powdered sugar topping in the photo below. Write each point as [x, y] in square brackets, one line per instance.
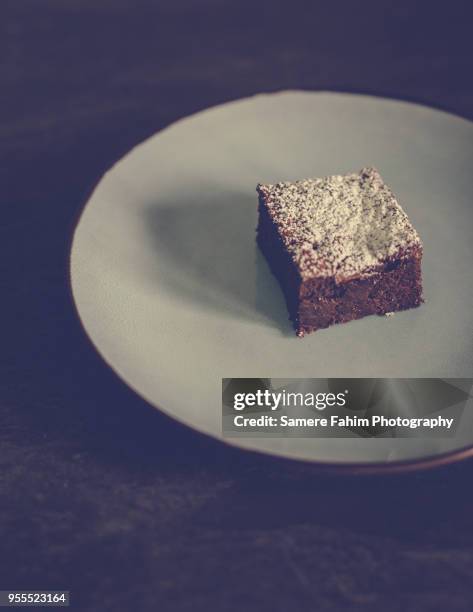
[342, 226]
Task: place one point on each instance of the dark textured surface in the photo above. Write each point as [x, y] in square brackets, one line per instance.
[99, 493]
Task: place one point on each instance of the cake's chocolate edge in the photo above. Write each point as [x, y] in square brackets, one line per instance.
[392, 290]
[320, 302]
[279, 260]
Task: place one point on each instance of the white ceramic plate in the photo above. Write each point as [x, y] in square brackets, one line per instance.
[174, 294]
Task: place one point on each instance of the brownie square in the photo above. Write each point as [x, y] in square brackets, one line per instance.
[341, 248]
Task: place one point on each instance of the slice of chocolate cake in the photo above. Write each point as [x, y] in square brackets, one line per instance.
[341, 247]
